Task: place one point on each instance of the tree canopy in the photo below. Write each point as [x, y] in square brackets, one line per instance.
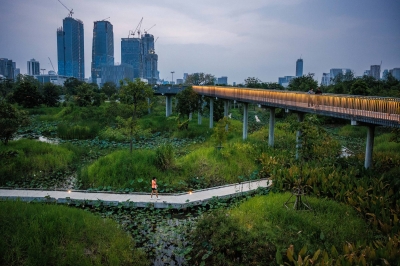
[303, 83]
[200, 79]
[188, 101]
[10, 120]
[26, 92]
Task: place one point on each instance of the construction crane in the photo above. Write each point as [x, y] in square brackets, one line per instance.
[156, 40]
[52, 65]
[70, 11]
[137, 29]
[145, 31]
[105, 19]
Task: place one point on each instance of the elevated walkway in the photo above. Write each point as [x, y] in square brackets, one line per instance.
[175, 201]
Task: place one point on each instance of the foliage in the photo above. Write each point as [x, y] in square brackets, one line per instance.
[6, 87]
[71, 131]
[71, 85]
[219, 239]
[303, 83]
[188, 101]
[26, 92]
[109, 88]
[359, 87]
[10, 120]
[221, 130]
[51, 94]
[29, 158]
[253, 82]
[165, 157]
[200, 79]
[84, 95]
[37, 234]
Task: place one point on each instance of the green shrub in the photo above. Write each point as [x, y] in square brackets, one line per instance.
[112, 134]
[37, 234]
[68, 131]
[165, 157]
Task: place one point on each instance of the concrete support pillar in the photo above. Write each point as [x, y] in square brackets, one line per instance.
[271, 136]
[199, 118]
[300, 118]
[245, 119]
[168, 105]
[226, 108]
[211, 112]
[190, 117]
[148, 103]
[369, 146]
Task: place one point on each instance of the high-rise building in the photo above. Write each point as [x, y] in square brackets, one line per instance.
[299, 67]
[116, 73]
[375, 72]
[395, 73]
[326, 79]
[70, 49]
[140, 53]
[385, 73]
[7, 68]
[102, 48]
[222, 81]
[366, 72]
[131, 54]
[185, 75]
[33, 67]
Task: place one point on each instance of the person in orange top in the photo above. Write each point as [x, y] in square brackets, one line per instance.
[154, 187]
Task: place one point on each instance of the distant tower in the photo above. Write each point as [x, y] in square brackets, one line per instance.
[70, 49]
[131, 54]
[299, 67]
[102, 47]
[375, 72]
[33, 67]
[149, 59]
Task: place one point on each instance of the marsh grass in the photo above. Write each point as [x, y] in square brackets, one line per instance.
[382, 143]
[70, 131]
[40, 234]
[25, 157]
[330, 224]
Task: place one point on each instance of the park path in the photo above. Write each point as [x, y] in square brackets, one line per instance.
[177, 201]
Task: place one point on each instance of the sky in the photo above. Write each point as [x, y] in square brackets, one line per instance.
[233, 38]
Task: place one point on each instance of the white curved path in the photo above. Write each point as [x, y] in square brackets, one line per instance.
[177, 201]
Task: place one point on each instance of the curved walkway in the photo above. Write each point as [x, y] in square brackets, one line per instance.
[176, 201]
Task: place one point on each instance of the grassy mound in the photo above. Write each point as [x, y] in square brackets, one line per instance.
[331, 223]
[36, 234]
[30, 158]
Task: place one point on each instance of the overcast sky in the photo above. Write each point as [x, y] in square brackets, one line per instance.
[233, 38]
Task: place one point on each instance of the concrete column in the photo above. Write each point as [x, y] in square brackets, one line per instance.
[271, 136]
[226, 109]
[199, 118]
[300, 118]
[170, 105]
[148, 103]
[245, 119]
[211, 112]
[370, 146]
[167, 106]
[190, 116]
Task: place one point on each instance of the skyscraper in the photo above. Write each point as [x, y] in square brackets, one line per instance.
[70, 49]
[33, 67]
[102, 48]
[150, 58]
[131, 54]
[299, 67]
[375, 72]
[7, 68]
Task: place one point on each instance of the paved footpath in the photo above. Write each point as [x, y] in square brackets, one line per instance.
[180, 200]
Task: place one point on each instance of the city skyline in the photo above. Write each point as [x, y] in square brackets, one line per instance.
[258, 38]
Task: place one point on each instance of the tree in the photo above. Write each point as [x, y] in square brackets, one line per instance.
[51, 94]
[135, 93]
[200, 79]
[359, 87]
[188, 101]
[71, 85]
[6, 87]
[221, 130]
[109, 88]
[252, 82]
[84, 95]
[26, 92]
[10, 120]
[303, 83]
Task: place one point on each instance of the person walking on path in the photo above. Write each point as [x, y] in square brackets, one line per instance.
[310, 100]
[154, 187]
[317, 94]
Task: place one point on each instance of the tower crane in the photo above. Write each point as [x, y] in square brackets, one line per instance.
[52, 65]
[145, 31]
[70, 11]
[137, 29]
[105, 19]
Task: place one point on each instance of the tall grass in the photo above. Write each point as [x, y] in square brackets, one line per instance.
[329, 224]
[37, 234]
[70, 131]
[25, 157]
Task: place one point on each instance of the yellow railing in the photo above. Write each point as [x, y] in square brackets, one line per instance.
[368, 106]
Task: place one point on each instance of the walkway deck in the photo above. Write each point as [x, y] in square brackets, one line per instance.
[175, 201]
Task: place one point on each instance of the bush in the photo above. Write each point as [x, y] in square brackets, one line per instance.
[165, 157]
[37, 234]
[68, 131]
